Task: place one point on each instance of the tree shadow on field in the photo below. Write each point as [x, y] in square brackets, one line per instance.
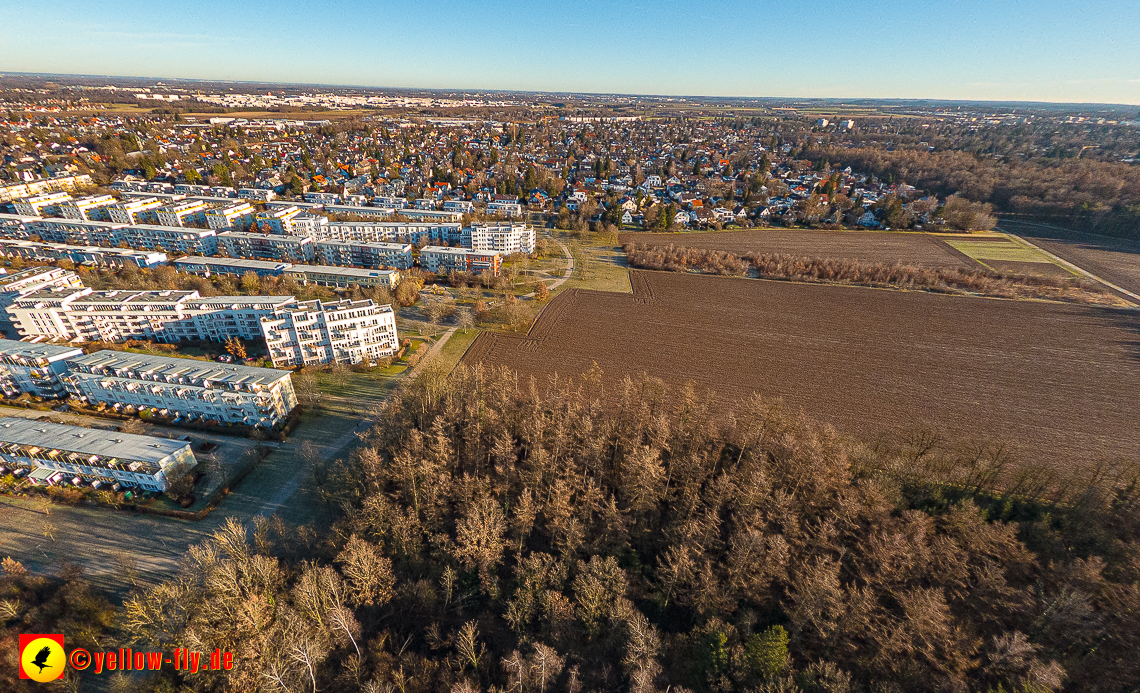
[1127, 319]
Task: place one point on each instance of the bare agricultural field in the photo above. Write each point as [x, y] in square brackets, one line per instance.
[1115, 259]
[866, 246]
[1056, 381]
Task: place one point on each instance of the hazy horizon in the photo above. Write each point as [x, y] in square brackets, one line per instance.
[1003, 51]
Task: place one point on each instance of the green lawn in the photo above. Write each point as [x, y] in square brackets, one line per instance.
[992, 249]
[598, 267]
[448, 357]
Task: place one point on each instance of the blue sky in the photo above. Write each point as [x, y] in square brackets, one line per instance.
[1045, 50]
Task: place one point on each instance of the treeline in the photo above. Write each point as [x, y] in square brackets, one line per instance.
[1095, 196]
[500, 535]
[675, 258]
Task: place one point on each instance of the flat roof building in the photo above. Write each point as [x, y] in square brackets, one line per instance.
[183, 388]
[33, 368]
[315, 332]
[369, 255]
[439, 259]
[262, 246]
[93, 454]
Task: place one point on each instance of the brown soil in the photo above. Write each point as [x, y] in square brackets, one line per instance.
[1058, 382]
[865, 246]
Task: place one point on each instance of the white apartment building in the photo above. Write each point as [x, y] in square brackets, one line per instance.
[322, 198]
[137, 211]
[234, 217]
[506, 209]
[344, 331]
[369, 255]
[396, 203]
[89, 208]
[342, 277]
[435, 258]
[14, 191]
[58, 451]
[208, 266]
[184, 213]
[33, 368]
[278, 220]
[261, 246]
[360, 211]
[256, 194]
[461, 206]
[28, 281]
[78, 313]
[418, 233]
[81, 254]
[505, 237]
[44, 204]
[15, 226]
[78, 231]
[182, 388]
[310, 224]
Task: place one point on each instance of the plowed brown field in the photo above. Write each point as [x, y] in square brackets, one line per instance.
[865, 246]
[1058, 382]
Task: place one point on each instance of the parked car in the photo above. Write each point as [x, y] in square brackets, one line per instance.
[226, 358]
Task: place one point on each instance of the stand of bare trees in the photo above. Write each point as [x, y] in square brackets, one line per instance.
[505, 535]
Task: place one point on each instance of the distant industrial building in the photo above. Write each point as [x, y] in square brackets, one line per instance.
[54, 452]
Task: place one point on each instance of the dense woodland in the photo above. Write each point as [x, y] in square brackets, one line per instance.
[569, 536]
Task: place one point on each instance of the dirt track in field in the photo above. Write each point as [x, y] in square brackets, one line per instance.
[865, 246]
[1058, 382]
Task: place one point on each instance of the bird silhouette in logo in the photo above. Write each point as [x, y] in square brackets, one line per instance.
[42, 658]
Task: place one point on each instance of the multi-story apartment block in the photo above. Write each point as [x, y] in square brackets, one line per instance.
[279, 220]
[234, 217]
[173, 240]
[208, 266]
[359, 211]
[345, 331]
[506, 209]
[435, 258]
[507, 238]
[14, 191]
[385, 232]
[182, 388]
[78, 232]
[118, 315]
[322, 198]
[15, 226]
[256, 194]
[396, 203]
[365, 254]
[184, 213]
[461, 206]
[81, 254]
[309, 224]
[33, 368]
[57, 451]
[28, 281]
[44, 204]
[191, 189]
[89, 208]
[261, 246]
[342, 277]
[142, 210]
[432, 215]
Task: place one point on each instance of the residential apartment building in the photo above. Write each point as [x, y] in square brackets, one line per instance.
[33, 368]
[28, 281]
[15, 226]
[278, 220]
[322, 198]
[13, 191]
[261, 246]
[506, 209]
[81, 254]
[182, 388]
[396, 203]
[208, 266]
[137, 211]
[184, 213]
[115, 316]
[353, 210]
[89, 208]
[461, 206]
[322, 275]
[342, 277]
[418, 233]
[432, 215]
[44, 204]
[234, 217]
[434, 258]
[56, 451]
[365, 254]
[313, 332]
[256, 194]
[78, 231]
[506, 238]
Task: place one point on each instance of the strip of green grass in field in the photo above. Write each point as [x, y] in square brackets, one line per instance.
[999, 250]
